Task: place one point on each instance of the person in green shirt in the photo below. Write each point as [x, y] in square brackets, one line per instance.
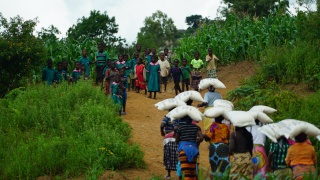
[186, 71]
[101, 61]
[84, 60]
[196, 64]
[127, 69]
[76, 73]
[48, 73]
[60, 73]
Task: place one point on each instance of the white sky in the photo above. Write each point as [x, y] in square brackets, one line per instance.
[129, 14]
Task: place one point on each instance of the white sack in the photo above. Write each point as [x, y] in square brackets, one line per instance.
[168, 104]
[215, 112]
[182, 111]
[262, 117]
[240, 118]
[216, 83]
[291, 128]
[263, 108]
[186, 95]
[271, 131]
[223, 103]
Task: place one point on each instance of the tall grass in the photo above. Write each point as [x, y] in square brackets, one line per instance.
[63, 130]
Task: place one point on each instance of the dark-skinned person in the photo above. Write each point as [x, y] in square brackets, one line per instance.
[276, 158]
[153, 76]
[196, 65]
[117, 92]
[110, 77]
[188, 137]
[176, 75]
[61, 75]
[124, 82]
[186, 73]
[48, 73]
[218, 137]
[84, 60]
[76, 73]
[211, 60]
[240, 147]
[141, 76]
[302, 158]
[164, 71]
[101, 60]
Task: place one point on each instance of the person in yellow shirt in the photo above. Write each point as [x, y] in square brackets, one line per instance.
[218, 136]
[302, 158]
[211, 60]
[196, 64]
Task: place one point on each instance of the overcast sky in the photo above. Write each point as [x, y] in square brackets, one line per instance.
[129, 14]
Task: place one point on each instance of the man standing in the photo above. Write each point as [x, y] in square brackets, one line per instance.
[211, 67]
[101, 60]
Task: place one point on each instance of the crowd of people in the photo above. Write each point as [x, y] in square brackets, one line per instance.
[146, 71]
[240, 149]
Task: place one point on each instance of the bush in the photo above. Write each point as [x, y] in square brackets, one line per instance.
[63, 130]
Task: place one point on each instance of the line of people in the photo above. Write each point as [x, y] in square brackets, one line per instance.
[240, 149]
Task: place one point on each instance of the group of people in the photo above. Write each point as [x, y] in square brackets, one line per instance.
[145, 71]
[239, 149]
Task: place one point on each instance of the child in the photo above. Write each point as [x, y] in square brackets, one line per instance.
[141, 76]
[186, 71]
[164, 71]
[133, 63]
[211, 66]
[84, 60]
[110, 76]
[76, 73]
[127, 70]
[124, 82]
[60, 74]
[153, 72]
[117, 91]
[148, 56]
[48, 73]
[101, 61]
[120, 63]
[196, 72]
[176, 73]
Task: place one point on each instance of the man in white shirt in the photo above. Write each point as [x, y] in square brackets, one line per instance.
[164, 71]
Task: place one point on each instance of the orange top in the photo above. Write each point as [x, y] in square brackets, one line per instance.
[218, 133]
[301, 153]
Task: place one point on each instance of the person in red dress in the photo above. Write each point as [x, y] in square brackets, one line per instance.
[141, 76]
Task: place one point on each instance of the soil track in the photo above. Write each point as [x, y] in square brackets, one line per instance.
[145, 120]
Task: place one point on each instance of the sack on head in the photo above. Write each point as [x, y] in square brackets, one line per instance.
[207, 82]
[263, 108]
[168, 104]
[182, 111]
[187, 95]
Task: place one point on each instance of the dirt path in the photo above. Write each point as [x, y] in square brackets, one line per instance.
[145, 120]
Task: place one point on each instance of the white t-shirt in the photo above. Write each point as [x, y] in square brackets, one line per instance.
[257, 136]
[164, 68]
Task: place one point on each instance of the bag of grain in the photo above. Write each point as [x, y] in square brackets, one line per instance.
[271, 131]
[263, 108]
[262, 117]
[187, 95]
[183, 111]
[215, 112]
[168, 104]
[223, 103]
[240, 118]
[292, 127]
[216, 83]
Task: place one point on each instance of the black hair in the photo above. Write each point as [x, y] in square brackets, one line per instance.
[59, 63]
[189, 102]
[302, 137]
[176, 60]
[77, 62]
[184, 59]
[219, 119]
[187, 119]
[125, 55]
[166, 49]
[49, 60]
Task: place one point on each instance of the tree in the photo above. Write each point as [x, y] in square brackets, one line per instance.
[253, 7]
[158, 31]
[22, 54]
[51, 33]
[193, 20]
[98, 26]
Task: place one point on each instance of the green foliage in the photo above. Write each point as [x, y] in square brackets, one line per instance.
[21, 52]
[98, 26]
[193, 20]
[309, 25]
[238, 39]
[63, 131]
[158, 31]
[292, 64]
[254, 7]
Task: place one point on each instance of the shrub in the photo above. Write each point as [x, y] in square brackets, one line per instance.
[63, 130]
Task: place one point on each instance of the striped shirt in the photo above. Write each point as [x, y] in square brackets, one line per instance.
[102, 58]
[279, 154]
[188, 132]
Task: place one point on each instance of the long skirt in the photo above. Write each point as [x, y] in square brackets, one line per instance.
[299, 171]
[170, 156]
[241, 166]
[259, 159]
[188, 169]
[196, 78]
[219, 157]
